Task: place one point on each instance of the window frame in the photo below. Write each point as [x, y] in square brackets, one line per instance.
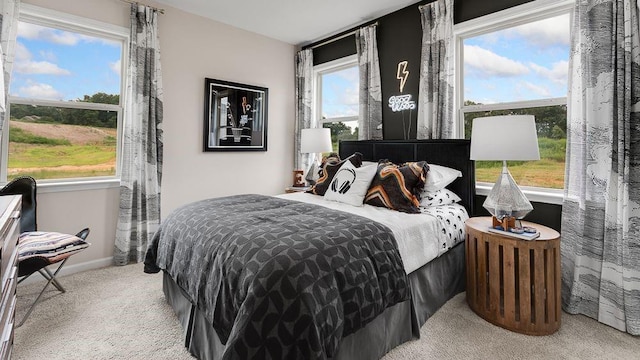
[517, 15]
[322, 69]
[77, 24]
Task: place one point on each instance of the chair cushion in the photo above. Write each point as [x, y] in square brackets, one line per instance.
[50, 246]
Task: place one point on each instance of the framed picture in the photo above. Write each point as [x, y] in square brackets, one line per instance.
[235, 116]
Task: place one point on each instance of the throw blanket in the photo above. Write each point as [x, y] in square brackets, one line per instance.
[280, 278]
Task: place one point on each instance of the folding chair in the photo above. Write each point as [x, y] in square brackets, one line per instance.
[37, 249]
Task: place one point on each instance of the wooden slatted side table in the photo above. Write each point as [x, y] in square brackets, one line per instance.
[514, 283]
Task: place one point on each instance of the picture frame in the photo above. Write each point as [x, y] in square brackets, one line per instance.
[235, 116]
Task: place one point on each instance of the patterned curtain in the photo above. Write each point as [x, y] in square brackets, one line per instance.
[139, 216]
[304, 101]
[9, 29]
[370, 118]
[435, 99]
[601, 211]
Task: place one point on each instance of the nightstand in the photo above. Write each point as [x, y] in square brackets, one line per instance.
[292, 189]
[514, 283]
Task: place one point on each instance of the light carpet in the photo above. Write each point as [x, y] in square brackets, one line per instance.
[121, 313]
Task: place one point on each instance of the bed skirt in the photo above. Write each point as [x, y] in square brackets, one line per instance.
[432, 286]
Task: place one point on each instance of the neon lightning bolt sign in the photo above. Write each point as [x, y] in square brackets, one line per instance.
[402, 102]
[402, 73]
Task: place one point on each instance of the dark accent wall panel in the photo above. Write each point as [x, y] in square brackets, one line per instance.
[399, 39]
[470, 9]
[335, 50]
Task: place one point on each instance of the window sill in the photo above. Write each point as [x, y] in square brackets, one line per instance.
[53, 186]
[541, 195]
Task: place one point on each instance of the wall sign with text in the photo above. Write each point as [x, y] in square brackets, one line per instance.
[403, 103]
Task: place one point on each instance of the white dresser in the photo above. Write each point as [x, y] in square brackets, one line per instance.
[9, 232]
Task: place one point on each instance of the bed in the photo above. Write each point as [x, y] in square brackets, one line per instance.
[403, 302]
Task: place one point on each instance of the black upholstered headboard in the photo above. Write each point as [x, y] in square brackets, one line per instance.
[450, 153]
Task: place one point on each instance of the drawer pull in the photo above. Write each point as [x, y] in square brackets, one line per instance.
[15, 214]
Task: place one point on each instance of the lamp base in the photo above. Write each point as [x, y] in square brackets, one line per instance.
[312, 174]
[507, 222]
[506, 199]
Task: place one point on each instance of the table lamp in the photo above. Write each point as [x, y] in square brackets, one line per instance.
[510, 137]
[315, 141]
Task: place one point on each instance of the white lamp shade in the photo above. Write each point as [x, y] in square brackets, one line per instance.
[510, 137]
[315, 140]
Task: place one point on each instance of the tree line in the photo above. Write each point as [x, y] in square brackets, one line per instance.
[551, 121]
[340, 131]
[60, 115]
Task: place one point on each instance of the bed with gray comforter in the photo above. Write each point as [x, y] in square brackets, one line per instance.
[278, 278]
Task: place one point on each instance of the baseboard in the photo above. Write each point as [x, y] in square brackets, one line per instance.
[72, 269]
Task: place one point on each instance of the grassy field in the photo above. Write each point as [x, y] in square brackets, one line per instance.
[53, 151]
[547, 172]
[542, 173]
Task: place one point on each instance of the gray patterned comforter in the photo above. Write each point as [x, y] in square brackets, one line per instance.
[278, 278]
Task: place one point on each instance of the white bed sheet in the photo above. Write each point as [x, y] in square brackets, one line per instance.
[420, 237]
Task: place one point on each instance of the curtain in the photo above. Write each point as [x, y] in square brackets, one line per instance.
[141, 176]
[435, 99]
[8, 32]
[601, 210]
[304, 101]
[370, 118]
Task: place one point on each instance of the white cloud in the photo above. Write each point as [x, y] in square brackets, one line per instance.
[558, 73]
[350, 74]
[345, 99]
[60, 37]
[487, 100]
[39, 67]
[543, 33]
[48, 56]
[116, 66]
[24, 64]
[485, 63]
[22, 53]
[29, 31]
[40, 91]
[35, 32]
[351, 96]
[540, 90]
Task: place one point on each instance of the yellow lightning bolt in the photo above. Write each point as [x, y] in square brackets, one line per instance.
[403, 74]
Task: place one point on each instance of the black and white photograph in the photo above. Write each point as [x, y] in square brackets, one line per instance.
[235, 116]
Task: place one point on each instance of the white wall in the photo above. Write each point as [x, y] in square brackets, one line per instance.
[192, 48]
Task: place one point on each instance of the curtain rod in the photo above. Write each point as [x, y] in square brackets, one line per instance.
[161, 11]
[337, 37]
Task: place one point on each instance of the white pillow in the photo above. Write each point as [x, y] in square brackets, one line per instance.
[367, 163]
[350, 184]
[439, 197]
[439, 177]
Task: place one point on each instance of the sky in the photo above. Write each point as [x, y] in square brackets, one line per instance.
[340, 93]
[51, 64]
[521, 63]
[527, 62]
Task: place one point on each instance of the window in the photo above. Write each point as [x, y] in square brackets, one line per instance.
[65, 97]
[518, 63]
[337, 101]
